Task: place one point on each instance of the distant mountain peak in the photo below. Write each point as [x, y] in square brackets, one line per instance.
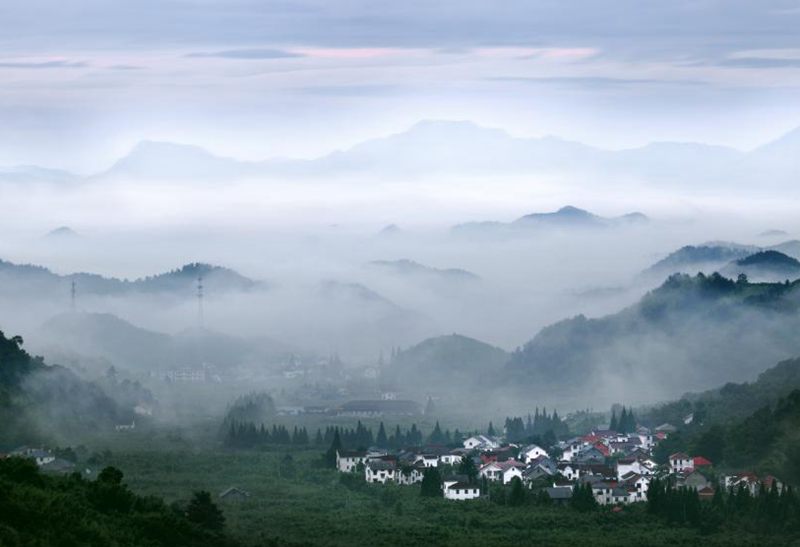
[405, 266]
[769, 257]
[62, 232]
[161, 159]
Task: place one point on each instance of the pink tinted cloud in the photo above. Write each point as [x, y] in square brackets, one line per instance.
[351, 53]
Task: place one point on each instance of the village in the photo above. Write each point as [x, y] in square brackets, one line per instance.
[618, 467]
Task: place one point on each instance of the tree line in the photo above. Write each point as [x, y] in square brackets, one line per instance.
[770, 510]
[247, 434]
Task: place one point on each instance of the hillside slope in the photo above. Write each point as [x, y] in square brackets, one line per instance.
[691, 333]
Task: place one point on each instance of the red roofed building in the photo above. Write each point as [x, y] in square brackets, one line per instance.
[700, 461]
[603, 449]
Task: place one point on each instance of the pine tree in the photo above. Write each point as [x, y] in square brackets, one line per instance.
[336, 446]
[430, 408]
[436, 436]
[203, 512]
[516, 496]
[431, 483]
[490, 431]
[467, 467]
[381, 441]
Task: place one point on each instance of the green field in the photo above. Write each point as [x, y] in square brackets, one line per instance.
[306, 504]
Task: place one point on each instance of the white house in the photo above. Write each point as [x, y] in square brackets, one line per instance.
[680, 462]
[481, 442]
[427, 460]
[491, 471]
[572, 449]
[569, 471]
[512, 469]
[380, 471]
[453, 458]
[637, 486]
[531, 452]
[347, 461]
[623, 495]
[629, 465]
[411, 475]
[603, 493]
[461, 491]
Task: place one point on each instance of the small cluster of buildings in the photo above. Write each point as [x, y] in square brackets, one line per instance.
[618, 466]
[44, 458]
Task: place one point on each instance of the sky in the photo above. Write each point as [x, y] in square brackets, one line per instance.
[84, 80]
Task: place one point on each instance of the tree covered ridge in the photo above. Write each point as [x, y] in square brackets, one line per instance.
[686, 314]
[15, 363]
[38, 509]
[38, 399]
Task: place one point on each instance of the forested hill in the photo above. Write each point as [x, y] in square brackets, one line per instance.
[38, 401]
[753, 426]
[451, 362]
[29, 279]
[731, 402]
[690, 334]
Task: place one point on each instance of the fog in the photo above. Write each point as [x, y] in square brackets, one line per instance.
[357, 266]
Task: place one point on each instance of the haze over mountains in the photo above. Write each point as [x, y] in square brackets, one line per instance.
[773, 263]
[457, 147]
[567, 217]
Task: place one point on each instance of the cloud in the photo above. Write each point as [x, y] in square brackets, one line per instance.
[125, 67]
[365, 90]
[247, 54]
[43, 64]
[590, 81]
[761, 62]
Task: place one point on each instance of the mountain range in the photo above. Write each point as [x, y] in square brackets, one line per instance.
[456, 147]
[567, 217]
[23, 278]
[772, 263]
[409, 268]
[691, 332]
[106, 336]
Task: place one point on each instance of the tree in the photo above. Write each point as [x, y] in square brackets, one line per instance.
[110, 475]
[490, 431]
[336, 446]
[467, 467]
[583, 498]
[711, 444]
[431, 483]
[614, 424]
[516, 496]
[437, 437]
[381, 441]
[203, 512]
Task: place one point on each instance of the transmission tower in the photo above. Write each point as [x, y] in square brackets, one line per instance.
[200, 319]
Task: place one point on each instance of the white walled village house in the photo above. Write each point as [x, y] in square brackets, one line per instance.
[347, 460]
[532, 452]
[461, 491]
[481, 442]
[680, 462]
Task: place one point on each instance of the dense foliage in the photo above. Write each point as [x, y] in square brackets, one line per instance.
[770, 512]
[43, 510]
[37, 400]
